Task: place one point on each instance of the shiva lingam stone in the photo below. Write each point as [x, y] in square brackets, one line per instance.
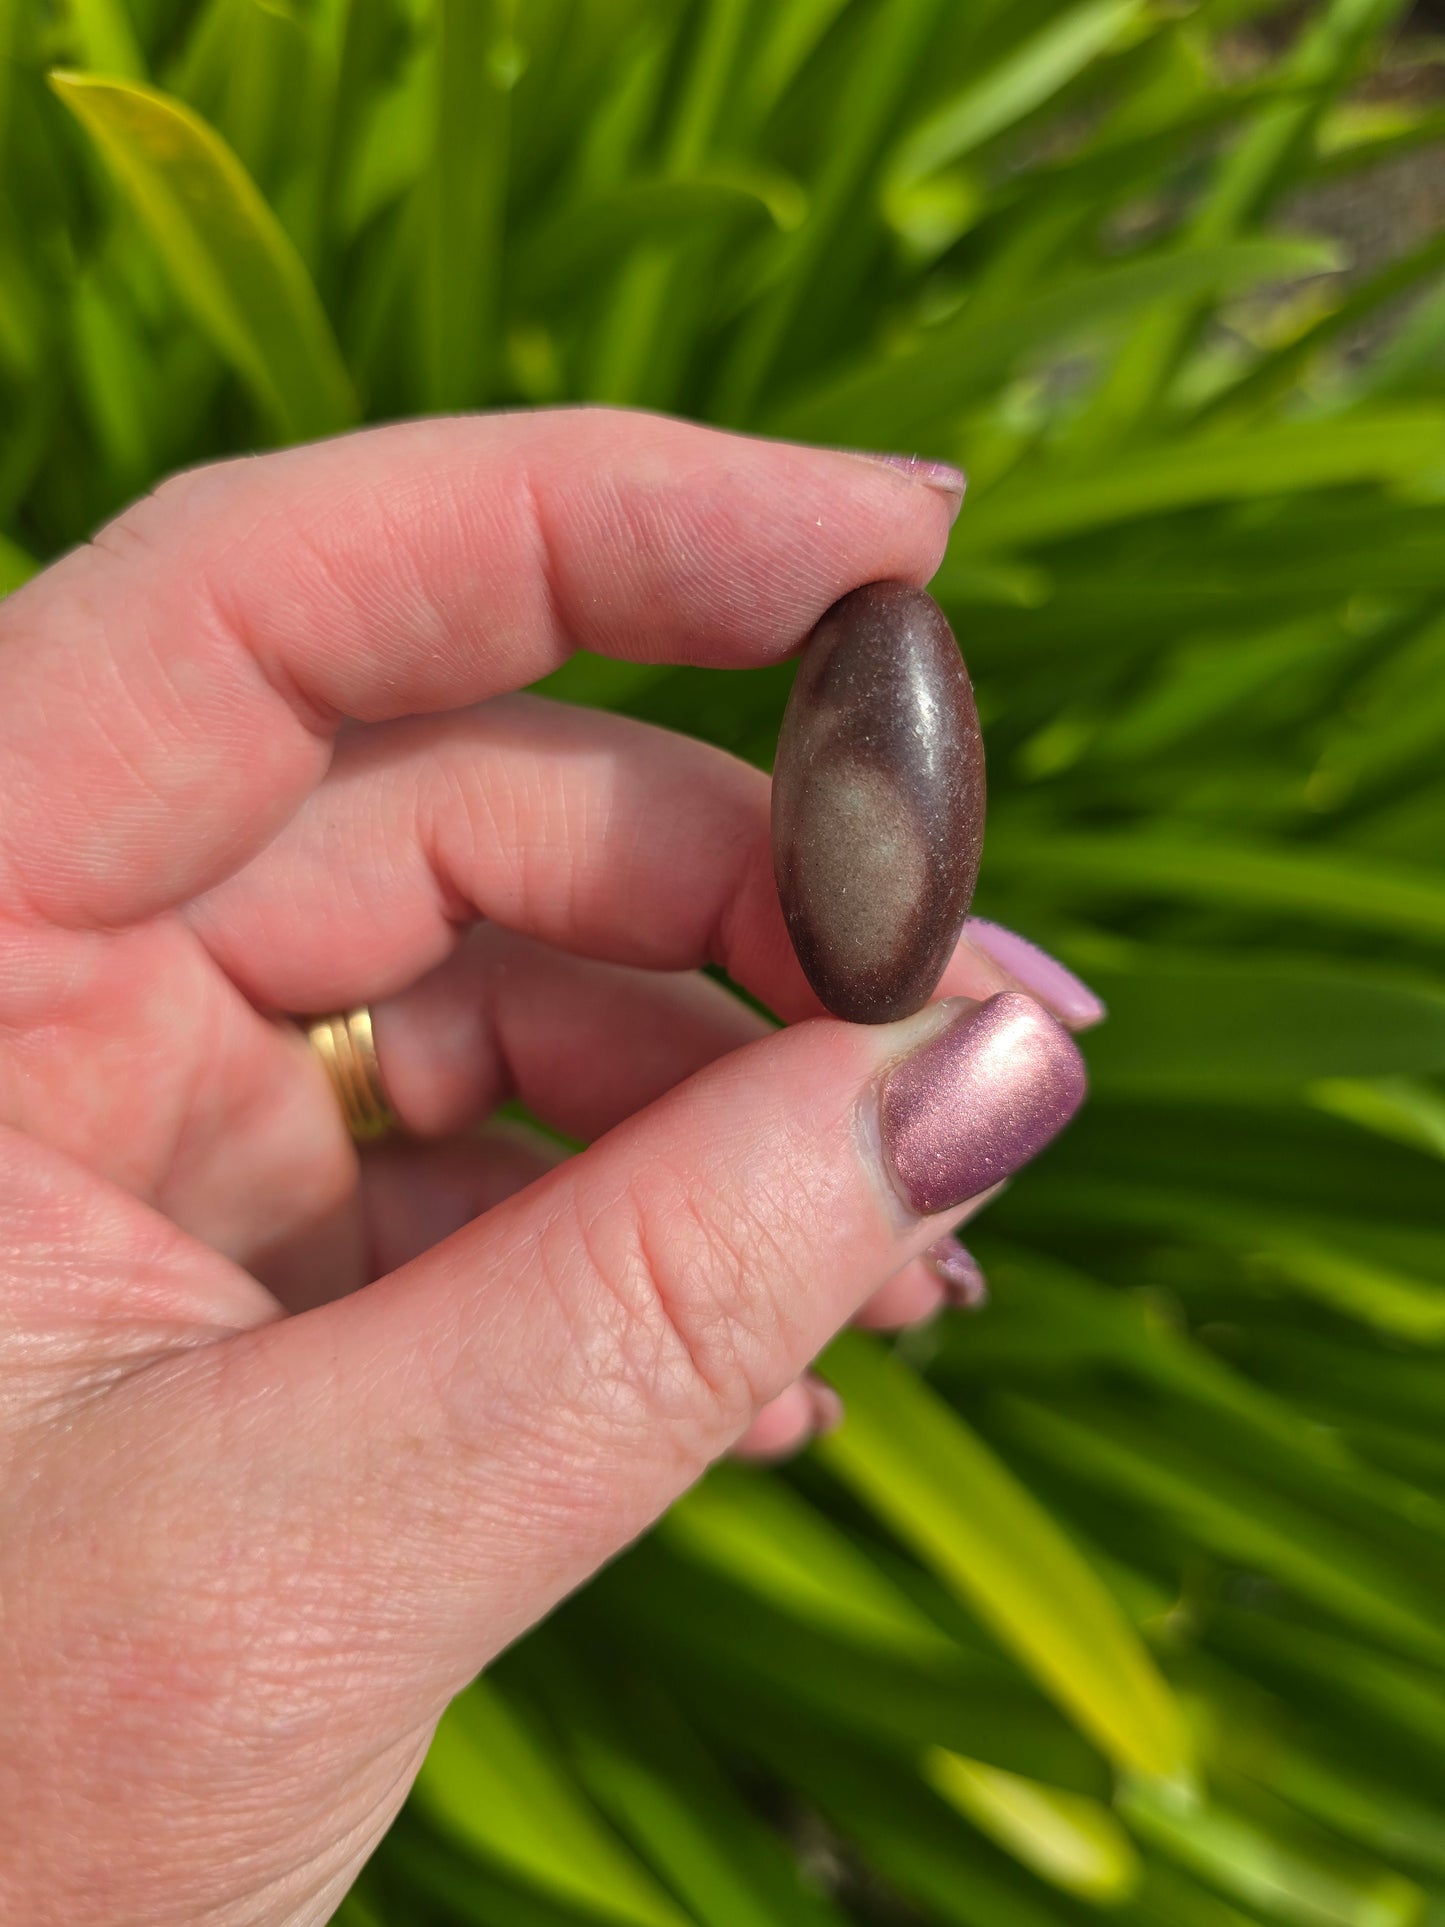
[878, 803]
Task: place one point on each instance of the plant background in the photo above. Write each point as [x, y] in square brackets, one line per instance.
[1124, 1597]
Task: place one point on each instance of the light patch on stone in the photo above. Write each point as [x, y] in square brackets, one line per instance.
[866, 869]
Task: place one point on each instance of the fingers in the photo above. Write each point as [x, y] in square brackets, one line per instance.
[797, 1416]
[414, 1195]
[589, 831]
[519, 1402]
[581, 1044]
[196, 659]
[593, 832]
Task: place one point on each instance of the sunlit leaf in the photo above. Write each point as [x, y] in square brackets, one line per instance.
[1266, 461]
[1022, 81]
[770, 1540]
[1072, 1842]
[491, 1783]
[1278, 1876]
[1239, 1518]
[944, 366]
[228, 257]
[923, 1471]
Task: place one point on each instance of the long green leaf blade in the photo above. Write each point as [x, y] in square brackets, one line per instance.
[921, 1469]
[228, 257]
[490, 1782]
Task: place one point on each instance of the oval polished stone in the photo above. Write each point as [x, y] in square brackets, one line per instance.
[878, 803]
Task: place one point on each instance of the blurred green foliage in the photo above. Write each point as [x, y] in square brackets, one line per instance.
[1128, 1593]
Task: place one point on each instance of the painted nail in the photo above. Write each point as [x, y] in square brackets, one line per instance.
[941, 476]
[964, 1284]
[1034, 970]
[827, 1406]
[977, 1100]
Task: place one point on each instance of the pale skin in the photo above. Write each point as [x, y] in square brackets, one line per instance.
[294, 1440]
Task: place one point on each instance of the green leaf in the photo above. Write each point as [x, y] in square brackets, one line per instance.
[462, 200]
[582, 239]
[897, 1824]
[1383, 447]
[1278, 1876]
[922, 1470]
[878, 76]
[1067, 1839]
[1396, 1107]
[1237, 1517]
[652, 1775]
[941, 367]
[1216, 1022]
[491, 1784]
[1373, 1811]
[1330, 887]
[715, 1640]
[15, 565]
[1021, 82]
[768, 1539]
[229, 260]
[106, 39]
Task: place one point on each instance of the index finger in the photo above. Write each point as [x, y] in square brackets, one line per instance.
[168, 694]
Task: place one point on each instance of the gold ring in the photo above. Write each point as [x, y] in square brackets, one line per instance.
[346, 1046]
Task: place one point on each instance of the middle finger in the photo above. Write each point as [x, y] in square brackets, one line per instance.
[597, 834]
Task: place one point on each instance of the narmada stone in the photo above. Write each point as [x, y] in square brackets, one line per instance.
[878, 803]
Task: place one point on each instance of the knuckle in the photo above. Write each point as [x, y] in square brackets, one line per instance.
[677, 1283]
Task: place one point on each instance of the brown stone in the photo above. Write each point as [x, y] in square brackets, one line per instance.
[878, 803]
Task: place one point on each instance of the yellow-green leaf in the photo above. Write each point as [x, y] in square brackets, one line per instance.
[767, 1538]
[1326, 1887]
[491, 1784]
[1066, 1838]
[934, 1481]
[15, 565]
[228, 257]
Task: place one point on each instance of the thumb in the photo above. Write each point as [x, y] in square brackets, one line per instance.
[489, 1424]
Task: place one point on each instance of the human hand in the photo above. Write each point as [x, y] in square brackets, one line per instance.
[256, 758]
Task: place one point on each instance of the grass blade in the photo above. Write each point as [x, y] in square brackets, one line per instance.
[228, 257]
[1072, 1842]
[1334, 889]
[920, 1468]
[462, 197]
[1282, 1879]
[884, 399]
[1019, 84]
[765, 1537]
[492, 1784]
[1390, 446]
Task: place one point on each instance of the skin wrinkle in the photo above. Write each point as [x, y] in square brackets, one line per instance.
[544, 556]
[650, 1339]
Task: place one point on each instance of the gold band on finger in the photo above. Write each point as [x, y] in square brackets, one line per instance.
[346, 1046]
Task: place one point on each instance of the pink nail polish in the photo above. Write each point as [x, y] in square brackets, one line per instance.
[977, 1100]
[943, 477]
[964, 1284]
[1066, 995]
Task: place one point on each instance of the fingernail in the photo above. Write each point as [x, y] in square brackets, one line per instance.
[1066, 995]
[978, 1099]
[827, 1406]
[940, 476]
[964, 1284]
